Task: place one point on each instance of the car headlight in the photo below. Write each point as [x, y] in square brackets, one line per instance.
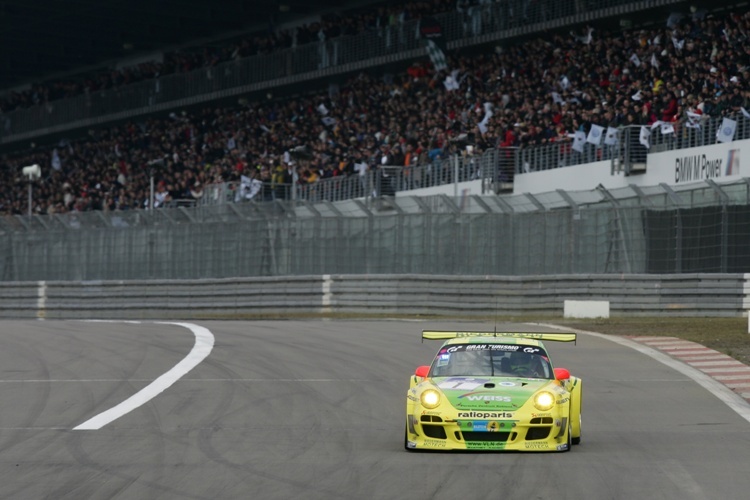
[544, 401]
[430, 398]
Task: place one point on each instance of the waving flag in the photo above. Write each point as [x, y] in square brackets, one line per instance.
[726, 131]
[612, 136]
[595, 135]
[645, 135]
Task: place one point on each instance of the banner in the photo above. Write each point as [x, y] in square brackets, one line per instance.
[579, 139]
[595, 135]
[726, 131]
[612, 136]
[645, 135]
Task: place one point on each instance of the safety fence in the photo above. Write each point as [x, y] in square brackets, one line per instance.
[702, 295]
[698, 227]
[390, 44]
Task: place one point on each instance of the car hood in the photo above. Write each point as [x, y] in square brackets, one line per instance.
[490, 393]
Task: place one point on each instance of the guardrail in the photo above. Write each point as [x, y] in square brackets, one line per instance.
[713, 295]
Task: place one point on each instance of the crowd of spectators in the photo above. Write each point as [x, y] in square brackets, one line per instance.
[525, 94]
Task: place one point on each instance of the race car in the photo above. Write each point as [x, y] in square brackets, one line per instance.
[493, 391]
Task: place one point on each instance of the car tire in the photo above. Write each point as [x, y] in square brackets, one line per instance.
[570, 437]
[577, 440]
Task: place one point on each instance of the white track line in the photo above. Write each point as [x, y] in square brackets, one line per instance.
[726, 395]
[204, 343]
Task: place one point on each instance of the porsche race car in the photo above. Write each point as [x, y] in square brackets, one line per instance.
[493, 391]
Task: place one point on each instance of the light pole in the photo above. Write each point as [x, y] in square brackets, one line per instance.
[32, 173]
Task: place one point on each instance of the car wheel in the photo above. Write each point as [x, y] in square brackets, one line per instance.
[570, 437]
[406, 438]
[577, 440]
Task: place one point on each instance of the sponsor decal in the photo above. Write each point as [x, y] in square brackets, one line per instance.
[562, 401]
[480, 445]
[494, 415]
[484, 425]
[486, 397]
[540, 415]
[733, 162]
[531, 445]
[435, 443]
[462, 383]
[427, 412]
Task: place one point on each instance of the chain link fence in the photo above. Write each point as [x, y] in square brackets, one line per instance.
[696, 228]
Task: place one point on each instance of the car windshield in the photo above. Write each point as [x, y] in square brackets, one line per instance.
[494, 360]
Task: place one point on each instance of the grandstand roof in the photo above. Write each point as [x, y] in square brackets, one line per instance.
[40, 38]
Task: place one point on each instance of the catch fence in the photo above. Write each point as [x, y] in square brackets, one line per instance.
[702, 227]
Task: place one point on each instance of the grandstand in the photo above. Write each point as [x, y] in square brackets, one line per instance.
[526, 85]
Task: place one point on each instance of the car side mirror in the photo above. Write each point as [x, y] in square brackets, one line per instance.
[562, 374]
[422, 371]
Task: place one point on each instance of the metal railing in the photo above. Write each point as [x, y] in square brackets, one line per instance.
[494, 168]
[629, 153]
[480, 24]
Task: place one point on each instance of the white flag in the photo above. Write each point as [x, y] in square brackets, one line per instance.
[635, 60]
[726, 131]
[745, 113]
[612, 136]
[56, 163]
[595, 135]
[322, 109]
[564, 83]
[451, 83]
[645, 134]
[579, 139]
[667, 128]
[694, 120]
[654, 61]
[487, 115]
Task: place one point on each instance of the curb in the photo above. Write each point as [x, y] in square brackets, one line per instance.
[723, 368]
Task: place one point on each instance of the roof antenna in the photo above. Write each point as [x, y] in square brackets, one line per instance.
[497, 305]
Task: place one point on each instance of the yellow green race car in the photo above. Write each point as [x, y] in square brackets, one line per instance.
[493, 391]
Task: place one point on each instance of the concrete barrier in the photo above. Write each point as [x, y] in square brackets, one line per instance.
[586, 309]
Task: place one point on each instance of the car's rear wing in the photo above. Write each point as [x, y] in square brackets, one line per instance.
[445, 335]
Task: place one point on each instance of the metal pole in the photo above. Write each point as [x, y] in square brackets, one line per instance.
[455, 177]
[29, 198]
[151, 195]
